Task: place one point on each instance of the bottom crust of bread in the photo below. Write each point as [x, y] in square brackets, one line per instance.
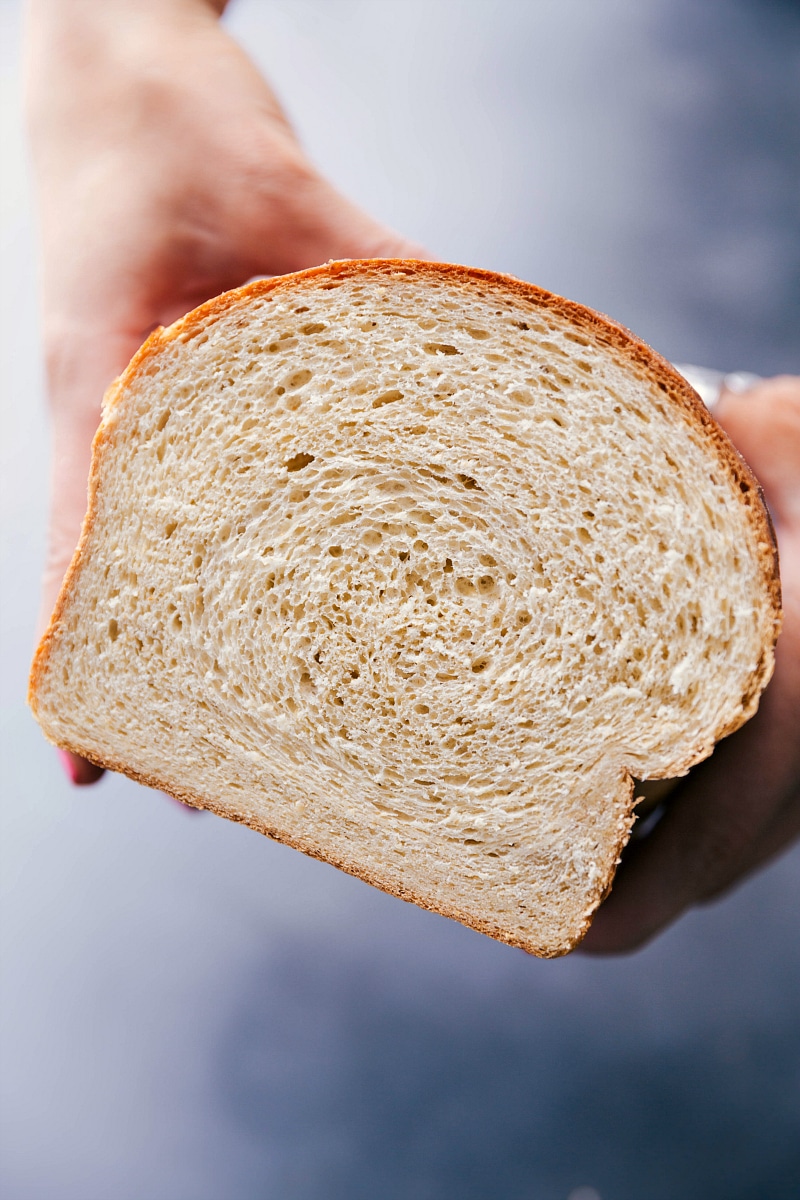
[490, 928]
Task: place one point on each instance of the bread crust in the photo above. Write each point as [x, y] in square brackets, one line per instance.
[603, 330]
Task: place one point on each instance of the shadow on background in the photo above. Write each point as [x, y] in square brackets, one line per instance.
[356, 1082]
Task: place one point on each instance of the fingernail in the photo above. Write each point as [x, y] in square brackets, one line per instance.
[68, 765]
[78, 770]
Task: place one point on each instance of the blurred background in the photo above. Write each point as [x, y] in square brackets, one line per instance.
[192, 1013]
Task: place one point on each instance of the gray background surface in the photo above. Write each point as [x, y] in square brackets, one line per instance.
[192, 1013]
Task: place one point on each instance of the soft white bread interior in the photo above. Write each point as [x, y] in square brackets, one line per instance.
[413, 567]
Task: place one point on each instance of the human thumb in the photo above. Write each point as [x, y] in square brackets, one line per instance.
[80, 365]
[322, 224]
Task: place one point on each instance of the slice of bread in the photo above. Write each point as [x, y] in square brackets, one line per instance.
[413, 567]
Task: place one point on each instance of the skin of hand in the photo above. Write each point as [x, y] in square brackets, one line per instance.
[741, 807]
[166, 173]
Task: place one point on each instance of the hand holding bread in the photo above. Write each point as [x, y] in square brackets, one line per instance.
[168, 173]
[414, 567]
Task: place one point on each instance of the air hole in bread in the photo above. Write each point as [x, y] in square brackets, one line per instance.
[387, 398]
[298, 461]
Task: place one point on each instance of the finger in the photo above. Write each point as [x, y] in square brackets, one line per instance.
[718, 825]
[322, 225]
[78, 770]
[780, 835]
[697, 841]
[764, 425]
[79, 368]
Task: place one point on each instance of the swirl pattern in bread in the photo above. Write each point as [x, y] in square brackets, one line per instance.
[413, 567]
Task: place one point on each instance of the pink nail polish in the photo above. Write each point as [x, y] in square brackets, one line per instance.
[68, 764]
[80, 772]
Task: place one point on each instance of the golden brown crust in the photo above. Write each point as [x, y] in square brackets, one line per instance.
[603, 330]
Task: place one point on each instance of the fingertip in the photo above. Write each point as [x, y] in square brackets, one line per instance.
[615, 930]
[604, 946]
[79, 771]
[596, 942]
[600, 948]
[396, 246]
[414, 251]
